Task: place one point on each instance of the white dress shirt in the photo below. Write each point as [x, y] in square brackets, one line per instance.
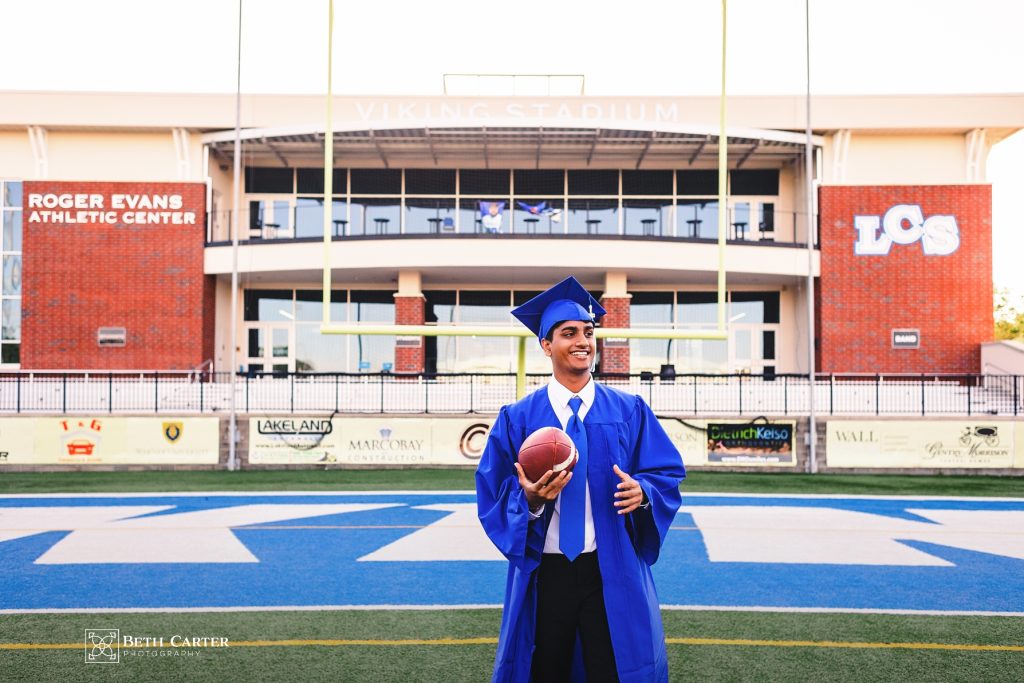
[559, 397]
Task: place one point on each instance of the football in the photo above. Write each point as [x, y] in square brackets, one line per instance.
[548, 448]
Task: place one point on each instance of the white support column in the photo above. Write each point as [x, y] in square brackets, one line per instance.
[181, 150]
[615, 284]
[840, 154]
[977, 153]
[410, 283]
[40, 150]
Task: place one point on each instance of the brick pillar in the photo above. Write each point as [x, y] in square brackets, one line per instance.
[615, 353]
[409, 310]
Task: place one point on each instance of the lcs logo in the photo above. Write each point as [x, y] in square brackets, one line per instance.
[905, 224]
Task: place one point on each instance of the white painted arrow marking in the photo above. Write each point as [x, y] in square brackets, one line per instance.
[453, 538]
[810, 535]
[28, 521]
[198, 536]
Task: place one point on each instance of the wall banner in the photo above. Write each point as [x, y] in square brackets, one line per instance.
[922, 443]
[109, 440]
[367, 441]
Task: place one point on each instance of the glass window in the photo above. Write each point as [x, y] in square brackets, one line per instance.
[647, 182]
[537, 182]
[256, 342]
[431, 216]
[260, 180]
[650, 310]
[755, 307]
[11, 329]
[309, 217]
[697, 308]
[698, 218]
[702, 356]
[12, 275]
[268, 304]
[12, 193]
[376, 306]
[309, 304]
[592, 182]
[311, 181]
[12, 230]
[593, 216]
[485, 182]
[316, 352]
[647, 217]
[754, 181]
[441, 352]
[429, 181]
[538, 215]
[10, 353]
[768, 344]
[376, 181]
[696, 183]
[484, 354]
[375, 217]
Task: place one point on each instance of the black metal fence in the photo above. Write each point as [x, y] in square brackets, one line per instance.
[29, 392]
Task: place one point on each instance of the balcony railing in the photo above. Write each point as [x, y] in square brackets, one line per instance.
[174, 393]
[691, 221]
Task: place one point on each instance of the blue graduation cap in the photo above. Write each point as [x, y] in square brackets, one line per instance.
[568, 300]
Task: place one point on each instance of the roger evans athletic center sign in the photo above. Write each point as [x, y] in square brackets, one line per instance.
[107, 208]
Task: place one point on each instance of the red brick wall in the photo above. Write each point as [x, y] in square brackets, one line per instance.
[81, 273]
[863, 297]
[409, 310]
[614, 358]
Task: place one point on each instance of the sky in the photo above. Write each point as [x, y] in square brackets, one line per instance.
[665, 47]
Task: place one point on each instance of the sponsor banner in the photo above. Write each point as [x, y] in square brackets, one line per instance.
[1018, 442]
[920, 443]
[689, 440]
[733, 443]
[367, 441]
[110, 441]
[746, 443]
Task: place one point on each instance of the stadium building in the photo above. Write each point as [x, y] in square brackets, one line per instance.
[117, 250]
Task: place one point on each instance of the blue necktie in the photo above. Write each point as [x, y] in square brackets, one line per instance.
[574, 495]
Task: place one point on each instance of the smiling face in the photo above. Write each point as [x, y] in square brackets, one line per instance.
[571, 349]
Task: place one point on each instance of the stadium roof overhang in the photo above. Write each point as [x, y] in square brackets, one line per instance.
[513, 146]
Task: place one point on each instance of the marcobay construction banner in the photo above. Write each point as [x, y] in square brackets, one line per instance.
[109, 440]
[967, 444]
[367, 441]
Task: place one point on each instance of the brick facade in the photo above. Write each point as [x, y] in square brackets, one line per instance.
[104, 254]
[410, 310]
[614, 359]
[863, 297]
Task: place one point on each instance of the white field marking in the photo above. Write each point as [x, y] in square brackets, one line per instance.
[686, 494]
[195, 536]
[441, 608]
[457, 537]
[806, 535]
[22, 522]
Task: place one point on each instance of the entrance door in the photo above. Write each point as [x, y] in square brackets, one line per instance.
[270, 347]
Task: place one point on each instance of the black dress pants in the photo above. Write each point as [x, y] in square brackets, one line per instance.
[570, 600]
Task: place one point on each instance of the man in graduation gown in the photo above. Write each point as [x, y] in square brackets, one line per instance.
[580, 602]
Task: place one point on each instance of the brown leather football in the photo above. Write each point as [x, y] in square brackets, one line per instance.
[548, 448]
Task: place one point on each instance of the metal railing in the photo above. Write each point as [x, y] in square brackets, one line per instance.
[188, 392]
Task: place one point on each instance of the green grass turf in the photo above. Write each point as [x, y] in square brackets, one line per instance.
[473, 662]
[462, 479]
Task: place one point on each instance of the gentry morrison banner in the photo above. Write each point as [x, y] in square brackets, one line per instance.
[973, 444]
[109, 440]
[367, 441]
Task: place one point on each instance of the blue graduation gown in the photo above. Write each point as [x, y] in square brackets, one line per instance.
[621, 429]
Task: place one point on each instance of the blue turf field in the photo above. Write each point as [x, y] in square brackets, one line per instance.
[408, 549]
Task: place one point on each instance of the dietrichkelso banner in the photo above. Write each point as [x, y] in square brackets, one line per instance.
[367, 441]
[964, 444]
[75, 440]
[733, 443]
